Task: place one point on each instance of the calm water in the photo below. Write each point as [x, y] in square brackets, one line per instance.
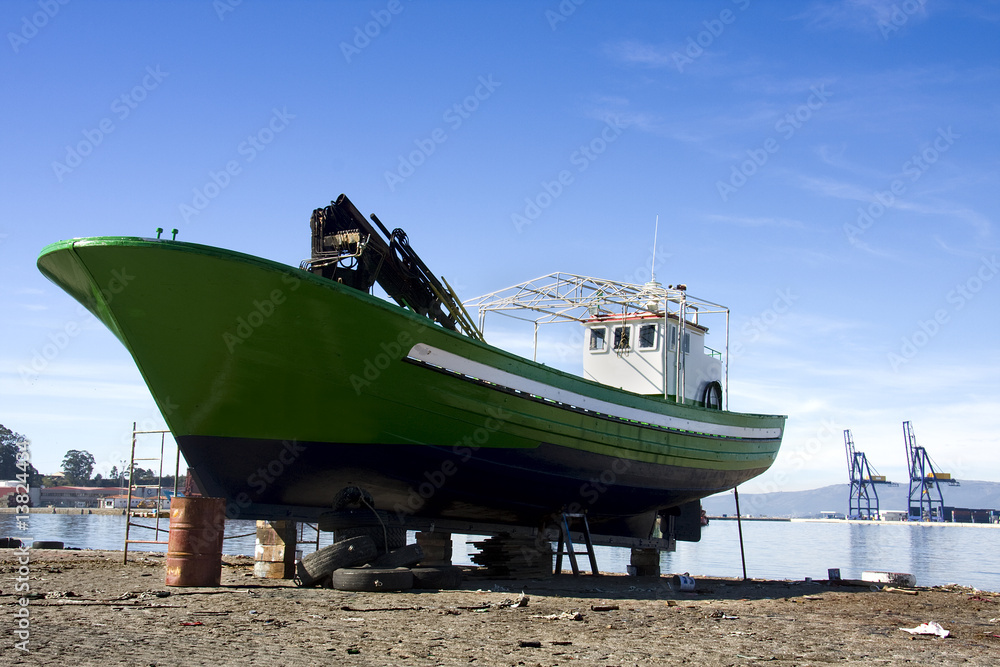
[965, 555]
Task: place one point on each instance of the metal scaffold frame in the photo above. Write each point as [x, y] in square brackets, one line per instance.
[567, 297]
[132, 486]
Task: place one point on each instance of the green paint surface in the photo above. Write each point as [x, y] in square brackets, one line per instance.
[238, 346]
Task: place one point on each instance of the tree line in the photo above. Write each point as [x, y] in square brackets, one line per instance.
[77, 467]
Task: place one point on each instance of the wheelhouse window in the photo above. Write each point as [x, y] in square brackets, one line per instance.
[622, 342]
[647, 336]
[597, 339]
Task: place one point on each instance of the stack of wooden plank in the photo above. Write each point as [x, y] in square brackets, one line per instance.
[506, 557]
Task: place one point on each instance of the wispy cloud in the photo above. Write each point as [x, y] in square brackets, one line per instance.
[952, 250]
[867, 248]
[829, 187]
[712, 61]
[701, 128]
[980, 11]
[836, 156]
[23, 291]
[63, 388]
[760, 221]
[859, 15]
[639, 53]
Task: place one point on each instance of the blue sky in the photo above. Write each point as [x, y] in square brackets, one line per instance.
[828, 170]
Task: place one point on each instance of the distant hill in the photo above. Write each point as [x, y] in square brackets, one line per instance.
[804, 504]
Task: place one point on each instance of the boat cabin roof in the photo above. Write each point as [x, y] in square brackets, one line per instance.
[612, 318]
[561, 297]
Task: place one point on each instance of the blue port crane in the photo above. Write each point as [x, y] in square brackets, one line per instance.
[863, 482]
[926, 503]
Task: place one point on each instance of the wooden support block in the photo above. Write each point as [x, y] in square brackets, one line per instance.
[436, 547]
[646, 562]
[274, 553]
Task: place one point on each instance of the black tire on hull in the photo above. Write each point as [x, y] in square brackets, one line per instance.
[712, 397]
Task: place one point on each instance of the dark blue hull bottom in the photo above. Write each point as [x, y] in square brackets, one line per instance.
[267, 479]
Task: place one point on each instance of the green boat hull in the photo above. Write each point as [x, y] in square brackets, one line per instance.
[282, 388]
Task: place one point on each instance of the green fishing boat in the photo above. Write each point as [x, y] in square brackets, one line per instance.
[285, 386]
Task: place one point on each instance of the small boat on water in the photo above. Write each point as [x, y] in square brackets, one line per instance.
[287, 387]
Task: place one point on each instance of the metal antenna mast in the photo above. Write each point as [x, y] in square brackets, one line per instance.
[652, 268]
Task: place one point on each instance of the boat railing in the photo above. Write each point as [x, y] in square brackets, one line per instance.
[713, 353]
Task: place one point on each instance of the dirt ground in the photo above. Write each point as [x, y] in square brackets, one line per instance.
[88, 609]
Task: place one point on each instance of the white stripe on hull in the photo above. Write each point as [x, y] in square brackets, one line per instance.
[457, 364]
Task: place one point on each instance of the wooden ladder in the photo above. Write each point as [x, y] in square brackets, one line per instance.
[565, 545]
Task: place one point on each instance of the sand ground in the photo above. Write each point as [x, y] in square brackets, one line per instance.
[87, 608]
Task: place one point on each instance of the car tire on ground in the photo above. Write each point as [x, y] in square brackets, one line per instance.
[401, 557]
[319, 564]
[396, 535]
[437, 578]
[373, 579]
[46, 544]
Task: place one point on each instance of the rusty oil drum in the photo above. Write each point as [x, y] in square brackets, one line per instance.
[194, 548]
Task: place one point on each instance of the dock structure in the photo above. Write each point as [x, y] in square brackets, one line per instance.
[863, 501]
[926, 503]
